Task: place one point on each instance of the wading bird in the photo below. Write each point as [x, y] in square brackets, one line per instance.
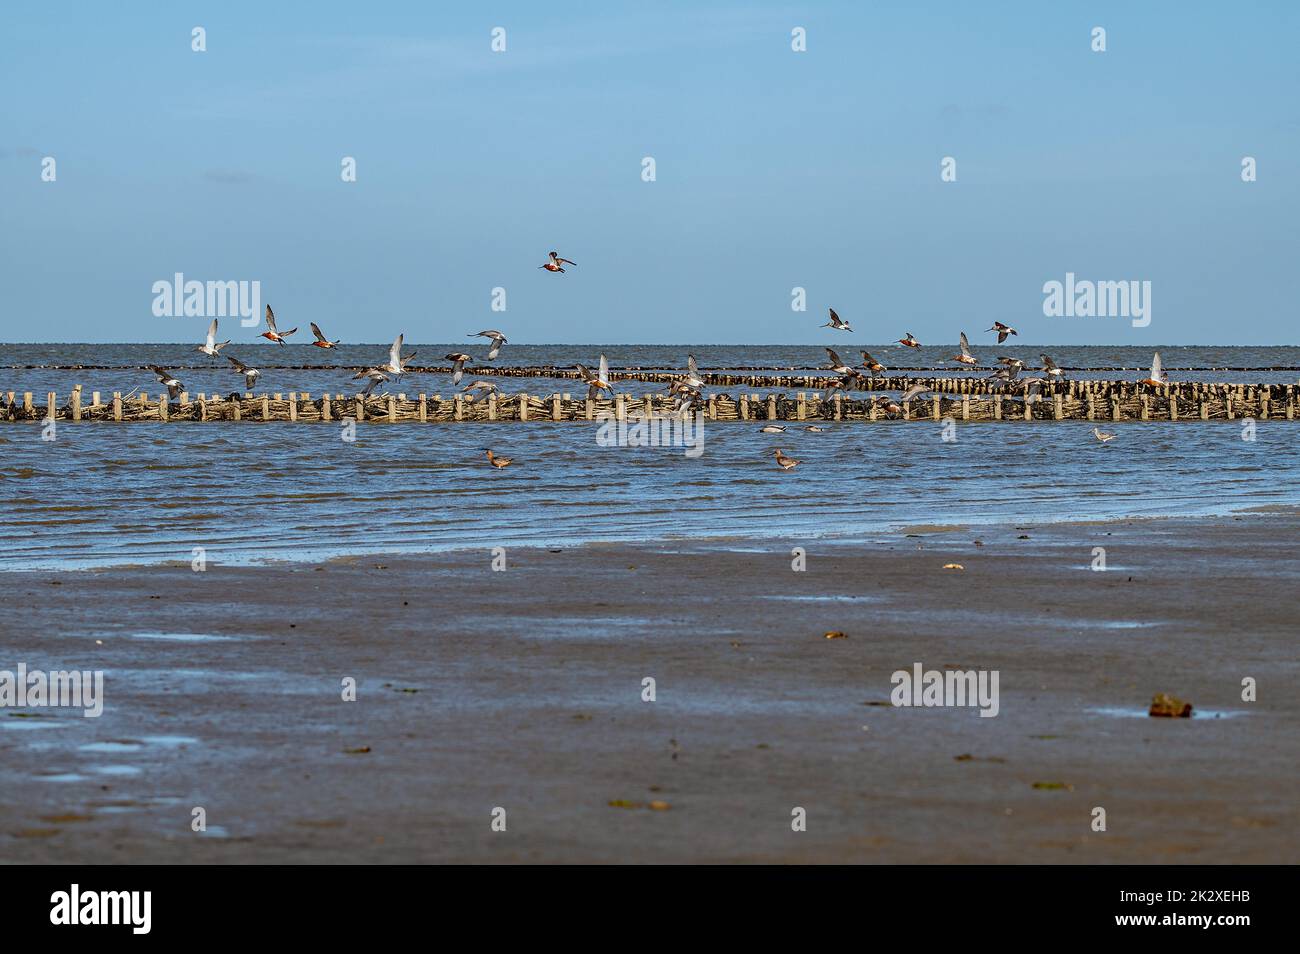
[168, 380]
[211, 347]
[500, 463]
[965, 357]
[909, 341]
[271, 334]
[321, 341]
[1158, 376]
[556, 264]
[457, 360]
[250, 374]
[785, 463]
[1101, 435]
[813, 428]
[836, 322]
[1002, 330]
[498, 339]
[772, 429]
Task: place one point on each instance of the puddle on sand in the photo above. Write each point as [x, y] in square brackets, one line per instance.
[1121, 713]
[187, 637]
[828, 599]
[111, 747]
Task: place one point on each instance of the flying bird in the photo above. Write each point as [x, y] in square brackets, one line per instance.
[396, 363]
[556, 264]
[965, 357]
[211, 347]
[373, 376]
[457, 360]
[872, 365]
[693, 379]
[1158, 376]
[169, 380]
[498, 339]
[913, 391]
[785, 463]
[321, 341]
[250, 374]
[271, 334]
[1050, 368]
[909, 341]
[836, 322]
[598, 382]
[474, 387]
[1002, 330]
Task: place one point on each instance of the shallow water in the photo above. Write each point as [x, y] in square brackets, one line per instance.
[149, 493]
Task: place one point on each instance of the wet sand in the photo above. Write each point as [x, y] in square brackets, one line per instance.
[522, 689]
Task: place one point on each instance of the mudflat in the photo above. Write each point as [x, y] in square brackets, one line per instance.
[524, 689]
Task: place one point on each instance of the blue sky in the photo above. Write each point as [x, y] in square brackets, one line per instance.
[775, 169]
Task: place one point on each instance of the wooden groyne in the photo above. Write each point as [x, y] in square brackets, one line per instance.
[962, 399]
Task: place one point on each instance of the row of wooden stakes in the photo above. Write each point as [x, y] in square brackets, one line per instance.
[1121, 401]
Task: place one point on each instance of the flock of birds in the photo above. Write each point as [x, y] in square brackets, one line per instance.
[686, 388]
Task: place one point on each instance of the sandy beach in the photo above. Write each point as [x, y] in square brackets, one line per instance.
[522, 689]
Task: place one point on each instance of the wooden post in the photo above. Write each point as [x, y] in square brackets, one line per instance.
[1092, 406]
[555, 407]
[523, 407]
[27, 403]
[839, 407]
[936, 406]
[590, 408]
[162, 406]
[1057, 410]
[94, 399]
[801, 408]
[359, 406]
[1173, 407]
[424, 409]
[325, 406]
[266, 407]
[76, 403]
[997, 407]
[771, 407]
[392, 409]
[620, 410]
[51, 405]
[293, 406]
[1114, 408]
[238, 410]
[117, 405]
[1145, 409]
[203, 406]
[458, 409]
[744, 406]
[1205, 409]
[713, 409]
[965, 407]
